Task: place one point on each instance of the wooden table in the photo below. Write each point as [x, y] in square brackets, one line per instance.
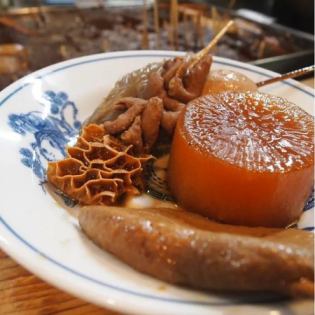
[23, 293]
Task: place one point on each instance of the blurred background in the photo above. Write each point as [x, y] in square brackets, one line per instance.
[275, 34]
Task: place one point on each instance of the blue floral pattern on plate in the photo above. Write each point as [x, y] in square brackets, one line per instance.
[50, 132]
[310, 202]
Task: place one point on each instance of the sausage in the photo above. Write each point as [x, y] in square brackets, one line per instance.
[186, 249]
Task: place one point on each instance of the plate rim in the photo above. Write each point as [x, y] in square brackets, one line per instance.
[15, 87]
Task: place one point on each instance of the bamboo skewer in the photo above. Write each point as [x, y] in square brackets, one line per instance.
[171, 28]
[195, 22]
[174, 23]
[213, 43]
[10, 22]
[200, 29]
[215, 19]
[156, 16]
[186, 26]
[198, 56]
[145, 39]
[292, 74]
[231, 5]
[215, 39]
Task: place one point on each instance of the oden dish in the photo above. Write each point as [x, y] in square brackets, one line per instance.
[238, 158]
[243, 158]
[54, 232]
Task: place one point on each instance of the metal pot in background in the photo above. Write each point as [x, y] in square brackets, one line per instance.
[297, 14]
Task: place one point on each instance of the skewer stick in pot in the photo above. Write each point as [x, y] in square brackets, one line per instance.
[12, 23]
[186, 29]
[215, 19]
[292, 74]
[231, 5]
[171, 27]
[200, 29]
[174, 23]
[145, 39]
[210, 46]
[229, 9]
[156, 16]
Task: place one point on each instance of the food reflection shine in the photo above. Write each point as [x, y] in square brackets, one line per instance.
[223, 80]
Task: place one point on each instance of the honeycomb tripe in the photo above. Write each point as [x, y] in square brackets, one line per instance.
[99, 169]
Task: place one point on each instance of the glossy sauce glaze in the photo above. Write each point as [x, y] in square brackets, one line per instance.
[222, 80]
[183, 248]
[243, 158]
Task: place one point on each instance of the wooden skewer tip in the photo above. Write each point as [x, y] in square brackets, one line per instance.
[213, 43]
[289, 75]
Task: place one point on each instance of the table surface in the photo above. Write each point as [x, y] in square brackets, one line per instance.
[23, 293]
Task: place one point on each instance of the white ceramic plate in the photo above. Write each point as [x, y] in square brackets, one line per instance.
[42, 112]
